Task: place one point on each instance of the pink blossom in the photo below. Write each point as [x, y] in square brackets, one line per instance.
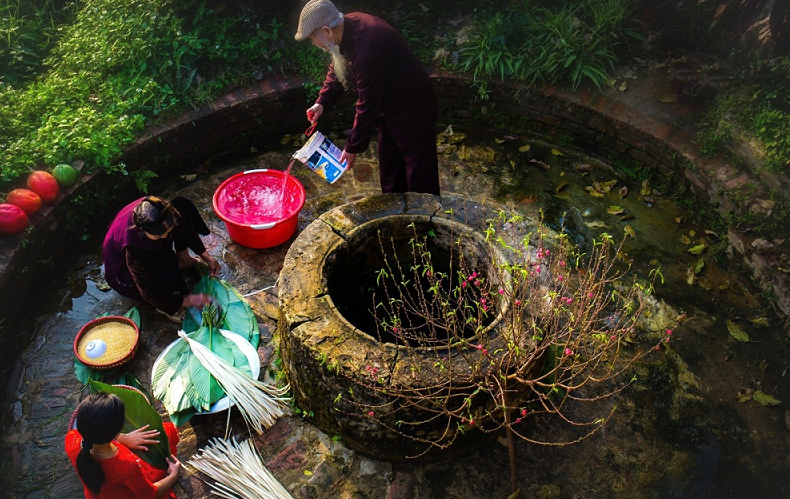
[537, 268]
[568, 352]
[559, 277]
[501, 291]
[589, 295]
[479, 346]
[518, 420]
[463, 284]
[518, 302]
[570, 300]
[562, 264]
[523, 412]
[669, 332]
[370, 413]
[546, 252]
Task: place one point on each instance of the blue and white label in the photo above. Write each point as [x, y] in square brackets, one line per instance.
[322, 156]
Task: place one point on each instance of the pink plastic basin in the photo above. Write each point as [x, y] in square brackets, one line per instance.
[260, 208]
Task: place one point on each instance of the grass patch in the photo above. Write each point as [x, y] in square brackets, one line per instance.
[111, 68]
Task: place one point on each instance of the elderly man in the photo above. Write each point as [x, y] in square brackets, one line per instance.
[394, 94]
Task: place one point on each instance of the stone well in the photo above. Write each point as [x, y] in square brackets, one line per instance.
[330, 350]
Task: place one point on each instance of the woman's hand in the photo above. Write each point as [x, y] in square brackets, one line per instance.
[213, 264]
[139, 438]
[173, 469]
[198, 300]
[173, 465]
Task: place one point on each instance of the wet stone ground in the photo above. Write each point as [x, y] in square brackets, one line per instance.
[678, 432]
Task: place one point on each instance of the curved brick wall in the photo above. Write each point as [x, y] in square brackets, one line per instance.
[261, 115]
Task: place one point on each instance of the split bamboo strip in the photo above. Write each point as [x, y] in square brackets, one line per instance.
[238, 471]
[260, 403]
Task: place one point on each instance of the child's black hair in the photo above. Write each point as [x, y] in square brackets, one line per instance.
[99, 419]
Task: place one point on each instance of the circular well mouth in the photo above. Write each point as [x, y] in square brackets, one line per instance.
[384, 262]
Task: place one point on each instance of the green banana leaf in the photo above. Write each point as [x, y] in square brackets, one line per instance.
[183, 384]
[133, 314]
[138, 413]
[85, 374]
[236, 314]
[206, 387]
[129, 380]
[182, 417]
[165, 380]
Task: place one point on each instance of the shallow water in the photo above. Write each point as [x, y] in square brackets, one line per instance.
[683, 407]
[678, 432]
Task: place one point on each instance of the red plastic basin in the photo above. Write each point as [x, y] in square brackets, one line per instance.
[260, 208]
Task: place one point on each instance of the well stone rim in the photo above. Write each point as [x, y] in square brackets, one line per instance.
[321, 350]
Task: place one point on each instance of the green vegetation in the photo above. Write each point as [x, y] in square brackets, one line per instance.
[83, 89]
[81, 79]
[757, 102]
[771, 120]
[28, 30]
[543, 45]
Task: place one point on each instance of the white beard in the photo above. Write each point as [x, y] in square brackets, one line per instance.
[339, 63]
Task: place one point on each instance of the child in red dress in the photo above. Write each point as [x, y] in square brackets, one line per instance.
[102, 457]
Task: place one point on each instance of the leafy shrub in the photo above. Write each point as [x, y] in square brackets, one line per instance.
[771, 121]
[28, 29]
[771, 127]
[550, 44]
[118, 65]
[758, 100]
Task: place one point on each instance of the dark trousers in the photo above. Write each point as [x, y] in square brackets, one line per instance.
[407, 154]
[169, 278]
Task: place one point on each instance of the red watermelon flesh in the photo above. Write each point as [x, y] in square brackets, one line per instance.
[13, 219]
[26, 199]
[43, 184]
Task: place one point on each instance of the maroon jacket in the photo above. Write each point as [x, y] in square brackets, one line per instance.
[390, 80]
[143, 269]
